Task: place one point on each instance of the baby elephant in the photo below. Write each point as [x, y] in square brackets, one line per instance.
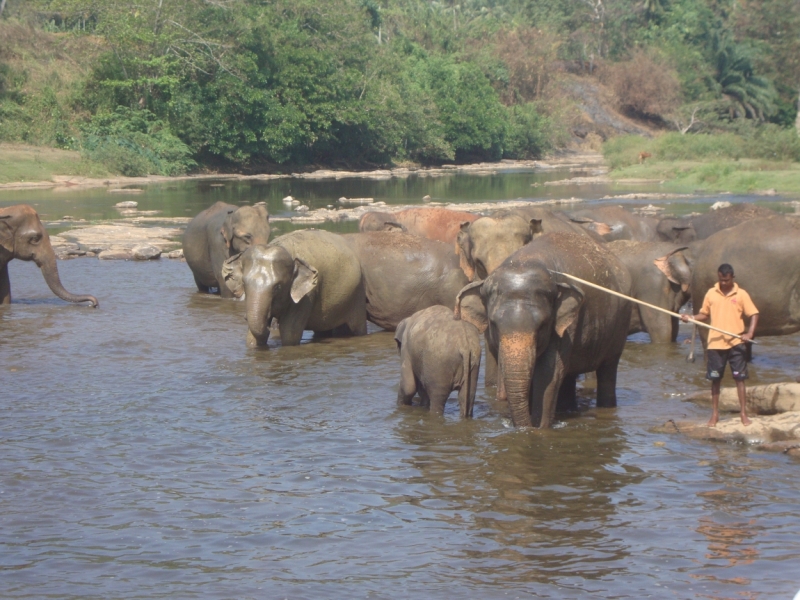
[438, 354]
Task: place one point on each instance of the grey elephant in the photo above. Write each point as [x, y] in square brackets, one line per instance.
[218, 233]
[438, 354]
[661, 274]
[764, 255]
[486, 242]
[404, 273]
[23, 236]
[621, 224]
[544, 330]
[684, 230]
[307, 279]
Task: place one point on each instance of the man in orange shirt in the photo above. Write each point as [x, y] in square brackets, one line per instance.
[726, 304]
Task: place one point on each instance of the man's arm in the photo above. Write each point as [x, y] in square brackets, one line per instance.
[752, 329]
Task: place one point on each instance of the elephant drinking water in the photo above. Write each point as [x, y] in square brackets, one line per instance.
[23, 236]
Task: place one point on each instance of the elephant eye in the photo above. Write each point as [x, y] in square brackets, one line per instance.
[35, 239]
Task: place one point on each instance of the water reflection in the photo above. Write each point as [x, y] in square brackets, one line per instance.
[146, 452]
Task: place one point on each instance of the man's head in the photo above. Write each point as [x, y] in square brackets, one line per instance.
[725, 275]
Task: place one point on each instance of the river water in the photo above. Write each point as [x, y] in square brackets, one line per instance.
[145, 452]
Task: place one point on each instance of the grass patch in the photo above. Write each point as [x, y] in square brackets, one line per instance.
[737, 176]
[32, 163]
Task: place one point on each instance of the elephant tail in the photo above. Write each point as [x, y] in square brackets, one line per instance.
[468, 360]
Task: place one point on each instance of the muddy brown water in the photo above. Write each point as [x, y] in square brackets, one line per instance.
[145, 452]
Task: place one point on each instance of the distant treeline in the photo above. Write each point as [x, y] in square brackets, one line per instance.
[168, 86]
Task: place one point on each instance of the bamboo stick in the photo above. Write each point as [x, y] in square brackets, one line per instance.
[654, 307]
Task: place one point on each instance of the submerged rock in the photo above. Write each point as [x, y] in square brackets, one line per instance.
[760, 399]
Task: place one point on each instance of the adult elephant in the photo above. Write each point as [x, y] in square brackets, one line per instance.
[218, 233]
[661, 274]
[404, 273]
[23, 236]
[439, 224]
[544, 331]
[486, 242]
[621, 224]
[764, 255]
[307, 279]
[683, 230]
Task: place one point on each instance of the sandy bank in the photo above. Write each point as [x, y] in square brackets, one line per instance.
[574, 162]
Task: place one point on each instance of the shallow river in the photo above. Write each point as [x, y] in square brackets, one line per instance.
[145, 452]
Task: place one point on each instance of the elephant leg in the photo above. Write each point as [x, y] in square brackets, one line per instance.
[293, 322]
[357, 319]
[548, 374]
[567, 397]
[490, 370]
[408, 384]
[201, 286]
[5, 285]
[607, 383]
[437, 398]
[675, 328]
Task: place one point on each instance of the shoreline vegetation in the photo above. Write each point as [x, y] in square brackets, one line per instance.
[33, 167]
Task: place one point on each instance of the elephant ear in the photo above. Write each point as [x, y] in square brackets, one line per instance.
[568, 305]
[6, 233]
[392, 226]
[399, 332]
[232, 274]
[305, 280]
[470, 306]
[227, 229]
[263, 211]
[464, 251]
[536, 227]
[676, 267]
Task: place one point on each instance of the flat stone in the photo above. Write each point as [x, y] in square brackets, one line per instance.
[355, 201]
[759, 399]
[127, 236]
[175, 253]
[126, 204]
[145, 252]
[125, 191]
[115, 254]
[762, 431]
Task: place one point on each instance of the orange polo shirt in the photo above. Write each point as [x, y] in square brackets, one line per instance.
[727, 312]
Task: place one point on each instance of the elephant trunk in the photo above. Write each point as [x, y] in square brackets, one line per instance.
[259, 315]
[517, 357]
[47, 263]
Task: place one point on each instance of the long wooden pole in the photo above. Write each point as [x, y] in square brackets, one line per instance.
[654, 307]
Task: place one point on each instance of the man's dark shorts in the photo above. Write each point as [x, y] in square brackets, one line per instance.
[736, 356]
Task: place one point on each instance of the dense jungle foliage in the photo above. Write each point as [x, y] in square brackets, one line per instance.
[170, 86]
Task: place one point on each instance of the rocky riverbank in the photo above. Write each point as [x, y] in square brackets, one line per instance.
[774, 412]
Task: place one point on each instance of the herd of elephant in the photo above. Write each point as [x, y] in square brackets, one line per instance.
[440, 278]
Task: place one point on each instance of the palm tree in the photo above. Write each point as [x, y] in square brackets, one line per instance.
[747, 94]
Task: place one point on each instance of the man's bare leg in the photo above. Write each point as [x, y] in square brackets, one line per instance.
[740, 389]
[712, 422]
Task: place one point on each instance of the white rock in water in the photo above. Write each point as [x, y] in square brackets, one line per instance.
[145, 252]
[175, 253]
[356, 201]
[720, 204]
[288, 200]
[126, 204]
[302, 208]
[426, 198]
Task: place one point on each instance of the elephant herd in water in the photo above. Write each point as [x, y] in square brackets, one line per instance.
[440, 278]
